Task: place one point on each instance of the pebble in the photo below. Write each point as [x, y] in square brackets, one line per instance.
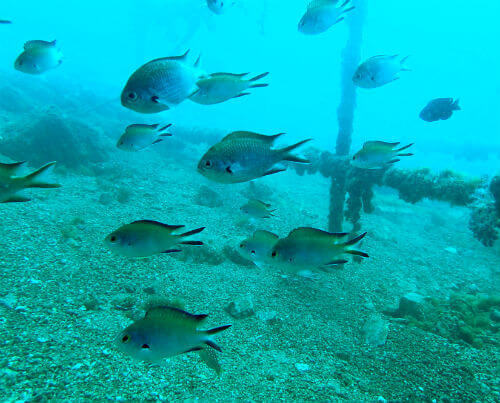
[302, 367]
[451, 249]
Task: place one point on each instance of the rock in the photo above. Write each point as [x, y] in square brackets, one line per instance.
[375, 331]
[411, 304]
[495, 315]
[451, 249]
[205, 254]
[302, 368]
[241, 308]
[267, 316]
[208, 197]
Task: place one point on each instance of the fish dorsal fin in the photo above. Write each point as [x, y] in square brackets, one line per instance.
[265, 235]
[321, 3]
[308, 232]
[240, 75]
[38, 44]
[181, 58]
[174, 316]
[251, 135]
[139, 126]
[10, 169]
[380, 144]
[171, 228]
[258, 202]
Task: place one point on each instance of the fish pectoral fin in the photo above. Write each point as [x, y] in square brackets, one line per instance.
[193, 349]
[274, 171]
[157, 100]
[172, 250]
[17, 199]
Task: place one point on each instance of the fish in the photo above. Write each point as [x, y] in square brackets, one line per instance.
[5, 22]
[146, 237]
[220, 87]
[257, 209]
[243, 156]
[11, 184]
[219, 6]
[321, 15]
[39, 57]
[378, 155]
[439, 109]
[379, 70]
[307, 247]
[161, 84]
[138, 137]
[165, 332]
[258, 247]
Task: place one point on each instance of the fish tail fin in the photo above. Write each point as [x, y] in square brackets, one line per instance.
[192, 232]
[259, 76]
[37, 179]
[197, 62]
[355, 240]
[404, 148]
[209, 341]
[209, 357]
[405, 155]
[259, 85]
[357, 253]
[288, 156]
[162, 129]
[404, 67]
[455, 106]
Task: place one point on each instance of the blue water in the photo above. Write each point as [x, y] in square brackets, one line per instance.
[319, 318]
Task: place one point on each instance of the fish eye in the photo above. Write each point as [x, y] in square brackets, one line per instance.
[132, 96]
[208, 163]
[20, 62]
[290, 260]
[242, 245]
[353, 157]
[145, 347]
[113, 238]
[228, 170]
[252, 252]
[274, 253]
[125, 339]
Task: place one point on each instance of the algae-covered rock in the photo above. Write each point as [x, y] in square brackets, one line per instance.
[50, 137]
[412, 304]
[199, 254]
[241, 307]
[208, 197]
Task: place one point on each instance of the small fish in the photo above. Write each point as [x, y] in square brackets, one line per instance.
[258, 247]
[313, 248]
[321, 15]
[378, 155]
[220, 87]
[257, 209]
[439, 109]
[138, 137]
[39, 57]
[11, 184]
[145, 238]
[5, 22]
[244, 156]
[165, 332]
[379, 70]
[219, 6]
[161, 84]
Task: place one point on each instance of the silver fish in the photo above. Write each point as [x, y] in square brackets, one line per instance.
[379, 70]
[38, 57]
[138, 137]
[244, 156]
[321, 15]
[161, 84]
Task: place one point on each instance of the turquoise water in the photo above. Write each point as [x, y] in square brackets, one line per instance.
[417, 320]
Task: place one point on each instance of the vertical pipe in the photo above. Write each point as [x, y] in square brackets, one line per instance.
[351, 56]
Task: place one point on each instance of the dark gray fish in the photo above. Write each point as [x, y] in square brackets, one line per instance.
[5, 22]
[439, 109]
